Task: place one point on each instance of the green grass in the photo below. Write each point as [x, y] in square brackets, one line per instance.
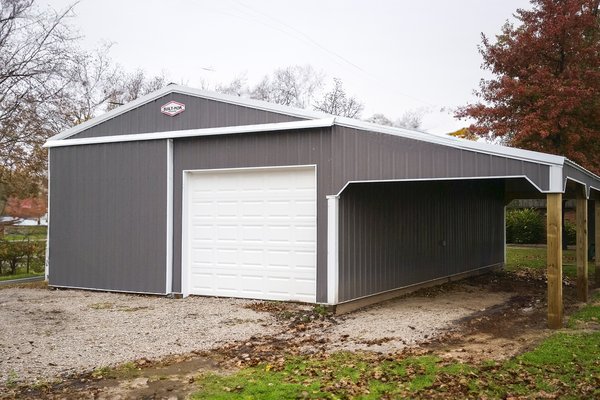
[534, 259]
[18, 237]
[567, 364]
[19, 276]
[589, 313]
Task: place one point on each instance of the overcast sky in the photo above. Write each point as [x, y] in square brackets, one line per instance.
[392, 55]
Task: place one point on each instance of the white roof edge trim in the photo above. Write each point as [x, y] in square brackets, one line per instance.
[578, 167]
[228, 130]
[486, 148]
[492, 149]
[237, 100]
[451, 178]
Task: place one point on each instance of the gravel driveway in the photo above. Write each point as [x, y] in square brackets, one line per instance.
[46, 334]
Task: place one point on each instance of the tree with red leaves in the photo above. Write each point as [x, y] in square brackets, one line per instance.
[545, 94]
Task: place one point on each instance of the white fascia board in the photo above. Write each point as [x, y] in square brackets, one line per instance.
[236, 100]
[228, 130]
[492, 149]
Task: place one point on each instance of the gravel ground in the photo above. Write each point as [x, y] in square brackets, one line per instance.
[45, 334]
[408, 321]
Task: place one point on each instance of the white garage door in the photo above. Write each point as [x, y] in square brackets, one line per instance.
[252, 233]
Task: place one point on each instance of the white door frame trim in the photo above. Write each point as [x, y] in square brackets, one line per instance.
[185, 257]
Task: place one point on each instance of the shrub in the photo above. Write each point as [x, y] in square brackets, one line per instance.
[525, 226]
[28, 255]
[570, 232]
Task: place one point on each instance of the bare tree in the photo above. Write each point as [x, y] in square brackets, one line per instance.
[35, 51]
[380, 119]
[411, 119]
[336, 102]
[237, 87]
[131, 86]
[291, 86]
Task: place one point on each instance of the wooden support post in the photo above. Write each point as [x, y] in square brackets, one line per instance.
[554, 259]
[597, 243]
[582, 247]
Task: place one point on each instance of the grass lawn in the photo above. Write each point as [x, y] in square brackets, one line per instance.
[534, 259]
[19, 276]
[565, 365]
[24, 232]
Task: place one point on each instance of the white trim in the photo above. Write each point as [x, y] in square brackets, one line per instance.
[47, 252]
[574, 165]
[451, 141]
[185, 269]
[185, 257]
[457, 178]
[333, 266]
[556, 179]
[595, 188]
[236, 100]
[169, 260]
[107, 290]
[585, 187]
[227, 130]
[291, 166]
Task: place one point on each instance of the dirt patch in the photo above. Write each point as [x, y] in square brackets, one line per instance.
[172, 378]
[509, 328]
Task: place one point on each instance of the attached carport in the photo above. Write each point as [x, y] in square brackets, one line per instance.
[424, 231]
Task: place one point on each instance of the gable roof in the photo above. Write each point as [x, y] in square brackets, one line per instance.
[325, 120]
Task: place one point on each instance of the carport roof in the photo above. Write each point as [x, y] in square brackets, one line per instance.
[562, 169]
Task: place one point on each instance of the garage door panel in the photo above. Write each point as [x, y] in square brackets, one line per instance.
[252, 233]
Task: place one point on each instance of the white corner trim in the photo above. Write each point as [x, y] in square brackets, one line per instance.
[228, 130]
[169, 248]
[333, 249]
[556, 180]
[47, 252]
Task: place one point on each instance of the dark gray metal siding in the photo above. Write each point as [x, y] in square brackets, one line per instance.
[360, 155]
[578, 176]
[199, 113]
[108, 208]
[398, 234]
[302, 147]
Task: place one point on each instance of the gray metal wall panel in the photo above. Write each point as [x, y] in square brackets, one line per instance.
[397, 234]
[256, 150]
[361, 155]
[199, 113]
[579, 176]
[108, 216]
